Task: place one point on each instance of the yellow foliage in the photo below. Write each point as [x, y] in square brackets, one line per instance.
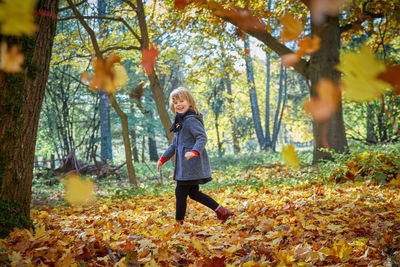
[17, 17]
[360, 75]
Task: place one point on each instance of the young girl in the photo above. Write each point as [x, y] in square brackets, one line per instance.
[192, 167]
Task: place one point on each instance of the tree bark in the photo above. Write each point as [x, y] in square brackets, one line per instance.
[228, 85]
[268, 141]
[21, 97]
[322, 65]
[105, 124]
[253, 95]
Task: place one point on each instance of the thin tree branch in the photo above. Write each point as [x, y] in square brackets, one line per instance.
[106, 18]
[68, 7]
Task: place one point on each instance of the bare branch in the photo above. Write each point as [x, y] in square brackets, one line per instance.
[67, 7]
[107, 18]
[86, 26]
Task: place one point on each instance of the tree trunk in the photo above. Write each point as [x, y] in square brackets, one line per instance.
[153, 154]
[268, 141]
[21, 97]
[228, 85]
[154, 82]
[105, 124]
[322, 65]
[279, 109]
[371, 136]
[134, 146]
[253, 95]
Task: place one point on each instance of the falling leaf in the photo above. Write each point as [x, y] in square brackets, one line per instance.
[290, 59]
[17, 17]
[109, 74]
[289, 156]
[309, 46]
[241, 17]
[292, 27]
[360, 75]
[149, 57]
[138, 92]
[77, 190]
[323, 106]
[85, 77]
[181, 4]
[322, 8]
[392, 76]
[11, 59]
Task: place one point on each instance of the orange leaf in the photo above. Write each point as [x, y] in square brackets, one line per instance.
[11, 59]
[392, 76]
[292, 27]
[149, 57]
[309, 46]
[109, 74]
[290, 59]
[326, 104]
[181, 4]
[241, 17]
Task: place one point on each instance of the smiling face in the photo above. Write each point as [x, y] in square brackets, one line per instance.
[180, 105]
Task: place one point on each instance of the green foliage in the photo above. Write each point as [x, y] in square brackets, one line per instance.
[4, 261]
[377, 164]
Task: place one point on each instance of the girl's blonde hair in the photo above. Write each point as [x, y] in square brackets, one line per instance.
[182, 93]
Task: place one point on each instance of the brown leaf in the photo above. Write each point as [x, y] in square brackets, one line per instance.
[392, 76]
[181, 4]
[11, 59]
[149, 57]
[241, 17]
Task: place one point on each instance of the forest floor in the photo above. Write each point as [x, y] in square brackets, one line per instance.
[279, 219]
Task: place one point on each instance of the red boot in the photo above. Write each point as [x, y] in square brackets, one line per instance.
[223, 214]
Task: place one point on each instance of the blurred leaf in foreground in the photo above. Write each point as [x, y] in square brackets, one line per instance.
[360, 75]
[17, 17]
[289, 156]
[11, 59]
[77, 190]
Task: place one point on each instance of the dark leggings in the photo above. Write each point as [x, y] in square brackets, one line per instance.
[183, 191]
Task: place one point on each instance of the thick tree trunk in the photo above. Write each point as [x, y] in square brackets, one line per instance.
[21, 97]
[322, 65]
[253, 95]
[154, 82]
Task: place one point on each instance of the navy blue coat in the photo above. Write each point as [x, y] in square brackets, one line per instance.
[192, 136]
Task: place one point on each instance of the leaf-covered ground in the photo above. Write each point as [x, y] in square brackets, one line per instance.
[305, 224]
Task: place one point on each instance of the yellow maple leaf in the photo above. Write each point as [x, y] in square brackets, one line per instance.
[77, 190]
[109, 74]
[360, 75]
[289, 156]
[11, 59]
[292, 27]
[17, 17]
